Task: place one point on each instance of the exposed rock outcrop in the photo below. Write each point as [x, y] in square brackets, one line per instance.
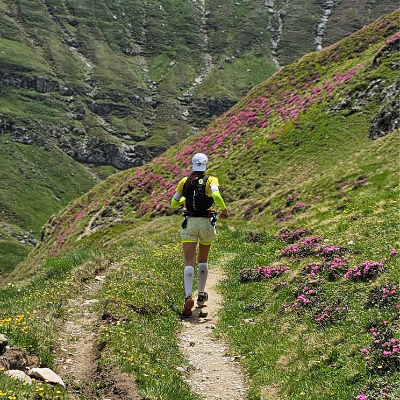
[201, 111]
[387, 119]
[89, 150]
[20, 81]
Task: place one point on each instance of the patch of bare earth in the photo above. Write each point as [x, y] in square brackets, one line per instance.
[216, 374]
[78, 353]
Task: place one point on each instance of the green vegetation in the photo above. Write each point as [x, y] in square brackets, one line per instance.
[310, 254]
[33, 186]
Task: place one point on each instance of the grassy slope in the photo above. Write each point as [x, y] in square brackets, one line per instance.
[312, 153]
[35, 187]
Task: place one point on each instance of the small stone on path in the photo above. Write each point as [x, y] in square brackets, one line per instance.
[16, 374]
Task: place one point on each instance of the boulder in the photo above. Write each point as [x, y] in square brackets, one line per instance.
[46, 374]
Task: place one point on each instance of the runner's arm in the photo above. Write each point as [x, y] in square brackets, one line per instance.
[177, 200]
[216, 195]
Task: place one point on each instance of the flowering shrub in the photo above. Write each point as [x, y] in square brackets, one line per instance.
[384, 295]
[311, 241]
[361, 180]
[292, 236]
[394, 38]
[255, 237]
[258, 274]
[379, 390]
[306, 295]
[278, 286]
[281, 215]
[383, 354]
[312, 246]
[299, 207]
[292, 251]
[332, 268]
[336, 267]
[313, 268]
[328, 315]
[365, 271]
[327, 252]
[272, 272]
[291, 199]
[393, 253]
[342, 185]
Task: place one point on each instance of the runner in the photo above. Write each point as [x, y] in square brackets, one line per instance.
[199, 192]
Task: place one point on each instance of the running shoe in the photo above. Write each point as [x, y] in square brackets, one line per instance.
[189, 303]
[201, 299]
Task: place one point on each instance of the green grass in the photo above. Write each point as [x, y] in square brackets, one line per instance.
[11, 51]
[145, 295]
[34, 186]
[323, 159]
[141, 343]
[12, 253]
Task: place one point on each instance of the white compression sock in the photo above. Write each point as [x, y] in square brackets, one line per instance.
[188, 279]
[202, 276]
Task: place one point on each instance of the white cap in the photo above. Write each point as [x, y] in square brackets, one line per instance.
[199, 161]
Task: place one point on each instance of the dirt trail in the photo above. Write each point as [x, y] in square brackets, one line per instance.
[79, 334]
[215, 373]
[78, 352]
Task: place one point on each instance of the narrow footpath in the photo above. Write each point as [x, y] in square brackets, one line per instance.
[216, 374]
[78, 352]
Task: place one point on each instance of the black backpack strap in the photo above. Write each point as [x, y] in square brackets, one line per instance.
[184, 189]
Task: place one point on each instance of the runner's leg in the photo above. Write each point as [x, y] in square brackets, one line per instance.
[204, 250]
[189, 251]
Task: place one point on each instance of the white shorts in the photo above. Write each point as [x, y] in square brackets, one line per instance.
[198, 229]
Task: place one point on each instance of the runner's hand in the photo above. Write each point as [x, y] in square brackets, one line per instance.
[224, 214]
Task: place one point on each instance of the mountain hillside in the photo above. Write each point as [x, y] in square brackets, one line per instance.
[313, 115]
[308, 165]
[109, 86]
